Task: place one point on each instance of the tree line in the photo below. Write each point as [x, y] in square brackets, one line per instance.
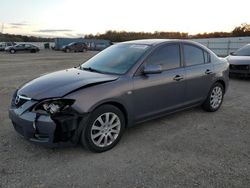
[120, 36]
[21, 38]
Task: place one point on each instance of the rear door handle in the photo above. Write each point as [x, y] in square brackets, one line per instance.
[208, 71]
[178, 78]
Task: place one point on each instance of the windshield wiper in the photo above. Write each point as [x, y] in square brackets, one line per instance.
[91, 69]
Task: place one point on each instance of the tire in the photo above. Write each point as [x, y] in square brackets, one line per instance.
[67, 50]
[32, 51]
[214, 98]
[12, 51]
[100, 137]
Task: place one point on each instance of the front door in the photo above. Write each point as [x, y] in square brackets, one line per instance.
[158, 93]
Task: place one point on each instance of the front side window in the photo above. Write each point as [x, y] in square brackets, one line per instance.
[116, 59]
[193, 55]
[167, 56]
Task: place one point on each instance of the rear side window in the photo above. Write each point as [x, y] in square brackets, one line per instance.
[193, 55]
[206, 57]
[167, 56]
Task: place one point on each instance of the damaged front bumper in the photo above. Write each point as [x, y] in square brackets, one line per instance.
[46, 129]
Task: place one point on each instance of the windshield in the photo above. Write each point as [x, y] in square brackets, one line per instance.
[244, 51]
[117, 59]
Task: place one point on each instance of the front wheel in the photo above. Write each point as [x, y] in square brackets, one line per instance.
[104, 129]
[12, 51]
[215, 98]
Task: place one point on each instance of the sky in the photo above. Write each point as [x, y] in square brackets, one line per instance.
[75, 18]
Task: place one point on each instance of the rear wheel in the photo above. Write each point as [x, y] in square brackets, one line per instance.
[104, 129]
[215, 98]
[67, 50]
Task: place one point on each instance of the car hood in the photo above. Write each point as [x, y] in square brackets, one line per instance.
[238, 60]
[60, 83]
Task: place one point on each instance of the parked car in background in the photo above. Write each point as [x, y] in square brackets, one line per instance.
[240, 62]
[3, 45]
[75, 47]
[125, 84]
[22, 48]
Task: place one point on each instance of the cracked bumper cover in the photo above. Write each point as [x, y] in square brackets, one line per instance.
[47, 130]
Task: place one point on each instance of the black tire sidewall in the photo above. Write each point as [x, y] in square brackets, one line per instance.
[86, 133]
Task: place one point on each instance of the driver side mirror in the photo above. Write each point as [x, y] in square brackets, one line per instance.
[152, 69]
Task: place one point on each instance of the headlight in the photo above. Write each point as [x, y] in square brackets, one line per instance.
[53, 106]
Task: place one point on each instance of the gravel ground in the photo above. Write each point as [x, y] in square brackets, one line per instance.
[189, 149]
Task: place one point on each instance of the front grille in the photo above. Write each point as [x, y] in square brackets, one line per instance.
[240, 67]
[18, 100]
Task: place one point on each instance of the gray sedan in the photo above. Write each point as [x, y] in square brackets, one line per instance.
[126, 84]
[22, 48]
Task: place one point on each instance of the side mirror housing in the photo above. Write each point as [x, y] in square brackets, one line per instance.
[152, 69]
[232, 53]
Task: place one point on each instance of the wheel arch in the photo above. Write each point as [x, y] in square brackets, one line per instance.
[222, 82]
[118, 105]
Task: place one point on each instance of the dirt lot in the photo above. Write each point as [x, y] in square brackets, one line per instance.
[188, 149]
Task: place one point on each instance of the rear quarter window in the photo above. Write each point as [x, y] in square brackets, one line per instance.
[207, 57]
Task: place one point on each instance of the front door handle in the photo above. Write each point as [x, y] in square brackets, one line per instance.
[208, 71]
[178, 78]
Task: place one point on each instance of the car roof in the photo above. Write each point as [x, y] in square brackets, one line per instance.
[155, 42]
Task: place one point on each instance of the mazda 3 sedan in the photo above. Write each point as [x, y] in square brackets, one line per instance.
[126, 84]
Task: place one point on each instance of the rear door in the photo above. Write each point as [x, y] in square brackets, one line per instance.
[199, 72]
[158, 93]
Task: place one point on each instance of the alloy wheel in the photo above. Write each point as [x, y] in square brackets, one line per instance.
[216, 97]
[105, 129]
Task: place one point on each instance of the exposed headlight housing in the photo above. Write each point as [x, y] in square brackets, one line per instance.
[53, 106]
